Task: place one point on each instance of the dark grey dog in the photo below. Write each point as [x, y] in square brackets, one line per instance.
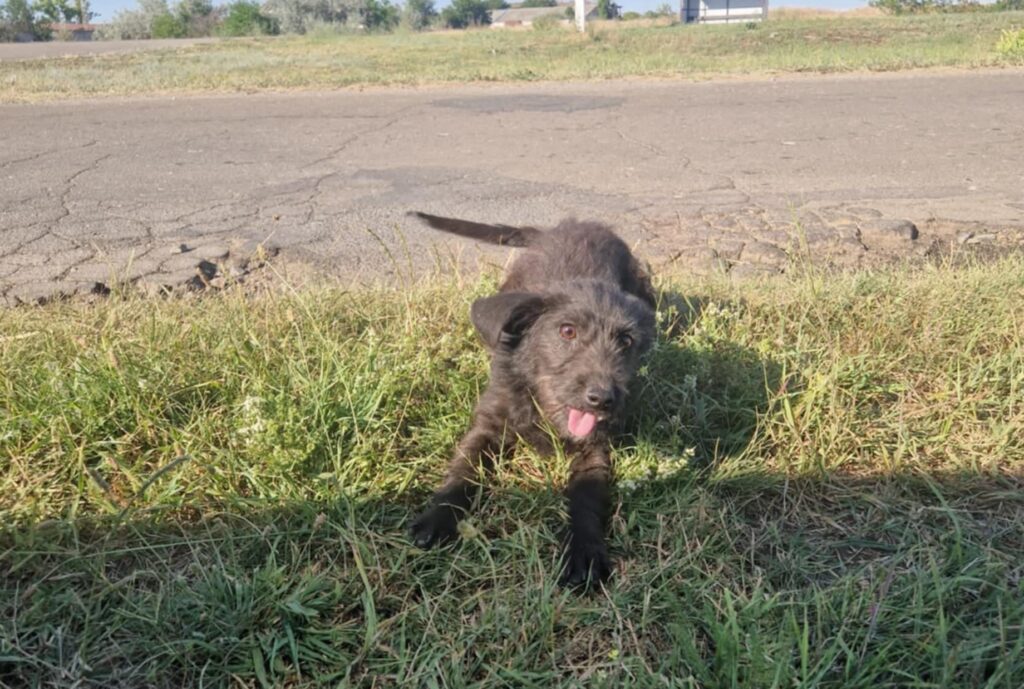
[565, 331]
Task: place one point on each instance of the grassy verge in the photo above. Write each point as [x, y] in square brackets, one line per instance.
[215, 494]
[611, 50]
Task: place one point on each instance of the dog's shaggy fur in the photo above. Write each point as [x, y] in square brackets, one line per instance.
[565, 331]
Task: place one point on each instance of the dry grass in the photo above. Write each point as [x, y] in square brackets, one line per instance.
[610, 50]
[795, 13]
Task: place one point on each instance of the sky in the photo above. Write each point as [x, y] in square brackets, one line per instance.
[106, 9]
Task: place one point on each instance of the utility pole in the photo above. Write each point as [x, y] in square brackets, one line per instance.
[581, 15]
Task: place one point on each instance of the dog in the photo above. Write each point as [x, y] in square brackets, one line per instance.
[566, 331]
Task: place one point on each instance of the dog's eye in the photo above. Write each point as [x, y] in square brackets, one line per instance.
[567, 331]
[625, 341]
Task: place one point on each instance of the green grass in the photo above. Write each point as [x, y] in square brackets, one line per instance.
[1011, 45]
[610, 51]
[824, 489]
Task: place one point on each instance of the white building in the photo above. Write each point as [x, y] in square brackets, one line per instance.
[525, 16]
[723, 11]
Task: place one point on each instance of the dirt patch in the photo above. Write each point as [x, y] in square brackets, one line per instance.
[184, 269]
[742, 244]
[755, 242]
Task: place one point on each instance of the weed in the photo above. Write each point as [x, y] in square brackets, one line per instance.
[1011, 45]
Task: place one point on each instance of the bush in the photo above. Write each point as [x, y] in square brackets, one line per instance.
[538, 3]
[630, 16]
[1011, 45]
[929, 6]
[168, 26]
[245, 19]
[303, 16]
[419, 14]
[661, 11]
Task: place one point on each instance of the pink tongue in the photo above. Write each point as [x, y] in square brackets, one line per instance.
[581, 423]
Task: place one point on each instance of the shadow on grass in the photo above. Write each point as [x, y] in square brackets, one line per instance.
[716, 578]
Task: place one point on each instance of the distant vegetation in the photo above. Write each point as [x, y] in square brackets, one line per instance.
[462, 14]
[655, 48]
[663, 10]
[21, 19]
[923, 6]
[245, 19]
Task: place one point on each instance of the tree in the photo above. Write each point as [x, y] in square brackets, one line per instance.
[538, 3]
[56, 10]
[186, 9]
[167, 26]
[419, 14]
[18, 17]
[606, 9]
[300, 16]
[199, 17]
[378, 15]
[463, 13]
[245, 19]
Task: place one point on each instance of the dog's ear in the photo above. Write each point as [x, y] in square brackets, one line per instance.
[502, 319]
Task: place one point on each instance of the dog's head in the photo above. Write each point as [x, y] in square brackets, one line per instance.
[577, 348]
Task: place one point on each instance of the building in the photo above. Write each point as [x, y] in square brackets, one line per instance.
[723, 11]
[525, 16]
[74, 32]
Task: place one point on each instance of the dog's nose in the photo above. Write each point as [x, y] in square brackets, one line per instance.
[599, 397]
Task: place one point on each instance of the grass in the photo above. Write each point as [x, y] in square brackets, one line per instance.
[823, 489]
[1011, 45]
[823, 45]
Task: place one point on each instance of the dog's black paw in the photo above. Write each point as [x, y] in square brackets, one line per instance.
[436, 526]
[586, 563]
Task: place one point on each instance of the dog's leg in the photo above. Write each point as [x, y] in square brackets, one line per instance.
[474, 456]
[586, 556]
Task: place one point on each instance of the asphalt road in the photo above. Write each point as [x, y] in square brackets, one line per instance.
[699, 174]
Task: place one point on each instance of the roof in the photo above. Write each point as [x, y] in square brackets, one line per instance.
[528, 14]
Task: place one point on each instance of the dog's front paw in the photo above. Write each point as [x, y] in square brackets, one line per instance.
[586, 562]
[437, 525]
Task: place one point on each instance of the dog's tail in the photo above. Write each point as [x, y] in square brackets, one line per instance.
[503, 235]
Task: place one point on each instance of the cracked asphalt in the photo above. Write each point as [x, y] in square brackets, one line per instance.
[736, 176]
